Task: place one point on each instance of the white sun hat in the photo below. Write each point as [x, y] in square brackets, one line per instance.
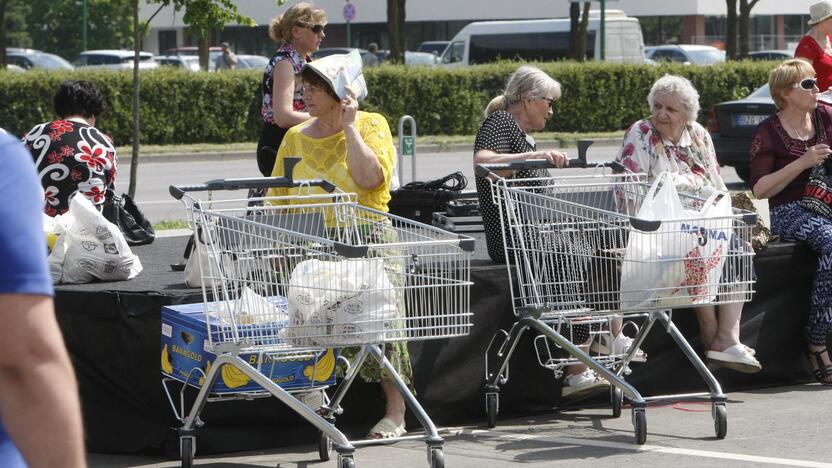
[820, 11]
[340, 71]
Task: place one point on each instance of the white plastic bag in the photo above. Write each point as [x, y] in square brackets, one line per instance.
[681, 262]
[340, 303]
[90, 248]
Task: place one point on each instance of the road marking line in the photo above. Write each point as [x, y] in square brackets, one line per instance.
[641, 448]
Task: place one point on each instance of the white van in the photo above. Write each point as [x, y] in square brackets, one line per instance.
[544, 40]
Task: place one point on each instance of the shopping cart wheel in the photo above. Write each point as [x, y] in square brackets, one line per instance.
[437, 457]
[492, 408]
[720, 414]
[324, 447]
[617, 400]
[640, 425]
[346, 461]
[187, 449]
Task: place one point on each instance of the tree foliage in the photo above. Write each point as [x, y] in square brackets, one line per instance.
[206, 16]
[56, 26]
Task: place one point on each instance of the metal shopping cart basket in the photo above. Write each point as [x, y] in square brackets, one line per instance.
[296, 275]
[568, 241]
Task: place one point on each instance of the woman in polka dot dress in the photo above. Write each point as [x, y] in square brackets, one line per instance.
[525, 105]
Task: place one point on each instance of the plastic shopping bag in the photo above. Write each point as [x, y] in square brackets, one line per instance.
[679, 264]
[340, 303]
[90, 248]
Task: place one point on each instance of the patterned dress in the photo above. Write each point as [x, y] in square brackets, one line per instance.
[691, 162]
[500, 134]
[771, 150]
[72, 157]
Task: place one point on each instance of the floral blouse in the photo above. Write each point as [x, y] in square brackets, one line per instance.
[285, 52]
[691, 162]
[72, 157]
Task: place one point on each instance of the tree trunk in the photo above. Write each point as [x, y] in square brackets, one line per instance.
[582, 31]
[202, 50]
[574, 14]
[2, 34]
[134, 159]
[745, 15]
[396, 29]
[577, 30]
[731, 30]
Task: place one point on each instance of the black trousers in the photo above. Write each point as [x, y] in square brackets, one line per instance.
[270, 137]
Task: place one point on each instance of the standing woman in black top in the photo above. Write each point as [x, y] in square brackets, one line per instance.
[525, 105]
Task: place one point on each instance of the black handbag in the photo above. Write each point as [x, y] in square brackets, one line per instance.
[419, 200]
[817, 196]
[123, 212]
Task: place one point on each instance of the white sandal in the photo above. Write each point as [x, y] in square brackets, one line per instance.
[386, 429]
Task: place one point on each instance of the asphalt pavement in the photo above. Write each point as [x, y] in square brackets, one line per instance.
[785, 426]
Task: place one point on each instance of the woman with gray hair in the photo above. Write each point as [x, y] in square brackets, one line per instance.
[671, 140]
[525, 105]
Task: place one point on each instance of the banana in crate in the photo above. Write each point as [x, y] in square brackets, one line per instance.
[185, 346]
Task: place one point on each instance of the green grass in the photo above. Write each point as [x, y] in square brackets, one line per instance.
[445, 142]
[170, 224]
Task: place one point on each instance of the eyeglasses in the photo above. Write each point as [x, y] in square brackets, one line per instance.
[550, 101]
[315, 28]
[806, 84]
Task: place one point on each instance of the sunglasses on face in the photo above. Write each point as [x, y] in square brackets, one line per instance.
[550, 101]
[806, 84]
[315, 28]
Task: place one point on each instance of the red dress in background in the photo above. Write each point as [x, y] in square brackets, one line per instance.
[809, 49]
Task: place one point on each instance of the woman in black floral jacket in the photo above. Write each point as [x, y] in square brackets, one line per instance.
[71, 155]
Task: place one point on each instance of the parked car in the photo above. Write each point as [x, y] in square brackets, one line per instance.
[252, 61]
[433, 47]
[685, 53]
[114, 59]
[187, 62]
[30, 58]
[213, 53]
[411, 57]
[321, 53]
[778, 54]
[732, 125]
[15, 68]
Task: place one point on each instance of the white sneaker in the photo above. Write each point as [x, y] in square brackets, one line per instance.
[620, 345]
[586, 382]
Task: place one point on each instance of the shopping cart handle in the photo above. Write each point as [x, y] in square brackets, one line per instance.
[484, 170]
[644, 225]
[177, 191]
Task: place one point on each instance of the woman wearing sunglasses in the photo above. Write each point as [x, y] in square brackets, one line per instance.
[785, 148]
[525, 105]
[671, 140]
[299, 31]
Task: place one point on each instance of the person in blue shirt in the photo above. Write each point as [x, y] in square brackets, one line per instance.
[39, 405]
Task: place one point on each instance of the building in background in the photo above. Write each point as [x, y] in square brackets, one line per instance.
[774, 24]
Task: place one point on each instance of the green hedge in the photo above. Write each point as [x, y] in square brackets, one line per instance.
[184, 107]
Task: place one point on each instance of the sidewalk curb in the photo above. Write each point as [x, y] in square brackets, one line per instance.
[124, 159]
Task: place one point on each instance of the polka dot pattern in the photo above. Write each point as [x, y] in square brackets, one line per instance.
[501, 134]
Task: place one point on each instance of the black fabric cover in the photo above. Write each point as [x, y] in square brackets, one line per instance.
[112, 331]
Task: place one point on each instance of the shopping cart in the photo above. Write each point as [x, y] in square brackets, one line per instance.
[566, 245]
[294, 275]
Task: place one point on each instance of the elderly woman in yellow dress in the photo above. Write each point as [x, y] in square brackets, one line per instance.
[671, 140]
[353, 150]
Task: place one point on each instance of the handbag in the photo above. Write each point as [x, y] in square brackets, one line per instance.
[124, 213]
[817, 196]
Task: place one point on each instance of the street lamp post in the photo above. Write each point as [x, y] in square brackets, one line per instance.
[603, 30]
